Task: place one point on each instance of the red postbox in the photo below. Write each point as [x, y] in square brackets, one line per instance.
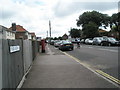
[43, 45]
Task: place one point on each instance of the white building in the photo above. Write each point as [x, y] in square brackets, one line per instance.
[29, 36]
[6, 33]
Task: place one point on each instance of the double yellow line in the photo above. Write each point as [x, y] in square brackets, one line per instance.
[108, 76]
[97, 71]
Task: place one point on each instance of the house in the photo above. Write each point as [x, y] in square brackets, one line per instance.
[33, 36]
[6, 33]
[103, 32]
[65, 36]
[38, 38]
[29, 36]
[20, 32]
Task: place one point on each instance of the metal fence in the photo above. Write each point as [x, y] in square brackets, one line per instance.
[27, 54]
[0, 63]
[17, 56]
[12, 64]
[35, 48]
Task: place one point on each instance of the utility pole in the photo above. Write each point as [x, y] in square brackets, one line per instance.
[50, 30]
[47, 34]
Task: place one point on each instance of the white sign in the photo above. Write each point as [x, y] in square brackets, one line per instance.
[14, 48]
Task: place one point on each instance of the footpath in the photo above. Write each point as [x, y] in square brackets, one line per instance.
[54, 69]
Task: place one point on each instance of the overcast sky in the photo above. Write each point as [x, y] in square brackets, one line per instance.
[34, 15]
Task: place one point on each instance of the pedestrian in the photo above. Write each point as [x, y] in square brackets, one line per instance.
[78, 43]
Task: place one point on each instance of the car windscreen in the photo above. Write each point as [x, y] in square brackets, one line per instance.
[112, 39]
[65, 42]
[100, 38]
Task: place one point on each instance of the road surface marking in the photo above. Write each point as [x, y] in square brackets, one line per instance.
[108, 76]
[109, 50]
[104, 75]
[76, 59]
[102, 49]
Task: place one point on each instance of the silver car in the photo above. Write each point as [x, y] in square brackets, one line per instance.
[108, 41]
[88, 41]
[97, 40]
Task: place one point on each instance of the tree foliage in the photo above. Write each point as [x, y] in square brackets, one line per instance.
[75, 33]
[91, 21]
[114, 21]
[59, 38]
[90, 30]
[94, 16]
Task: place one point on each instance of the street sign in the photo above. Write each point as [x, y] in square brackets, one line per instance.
[14, 48]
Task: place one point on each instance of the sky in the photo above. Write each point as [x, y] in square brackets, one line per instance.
[34, 15]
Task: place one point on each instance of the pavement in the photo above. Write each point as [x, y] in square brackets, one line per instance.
[54, 69]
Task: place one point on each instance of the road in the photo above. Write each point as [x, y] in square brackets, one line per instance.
[98, 57]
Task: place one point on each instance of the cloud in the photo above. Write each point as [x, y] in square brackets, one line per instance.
[67, 8]
[7, 14]
[119, 6]
[34, 15]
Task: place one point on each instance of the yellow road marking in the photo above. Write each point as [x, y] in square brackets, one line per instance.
[97, 71]
[108, 76]
[84, 64]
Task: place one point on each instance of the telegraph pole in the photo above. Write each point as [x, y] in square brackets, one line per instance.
[47, 34]
[50, 30]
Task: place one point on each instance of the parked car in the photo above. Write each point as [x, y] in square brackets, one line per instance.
[109, 41]
[82, 41]
[51, 42]
[75, 40]
[66, 45]
[57, 44]
[97, 40]
[119, 43]
[88, 41]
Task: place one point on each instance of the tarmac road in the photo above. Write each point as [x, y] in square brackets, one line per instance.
[99, 57]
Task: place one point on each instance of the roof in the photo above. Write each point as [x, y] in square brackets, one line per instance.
[33, 34]
[100, 30]
[5, 28]
[65, 35]
[19, 28]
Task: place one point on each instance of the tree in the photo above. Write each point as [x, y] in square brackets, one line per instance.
[75, 33]
[90, 30]
[55, 38]
[60, 38]
[114, 21]
[115, 24]
[92, 18]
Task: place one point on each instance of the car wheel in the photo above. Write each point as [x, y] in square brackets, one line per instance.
[101, 44]
[109, 44]
[71, 49]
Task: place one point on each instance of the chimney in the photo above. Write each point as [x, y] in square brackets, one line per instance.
[13, 26]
